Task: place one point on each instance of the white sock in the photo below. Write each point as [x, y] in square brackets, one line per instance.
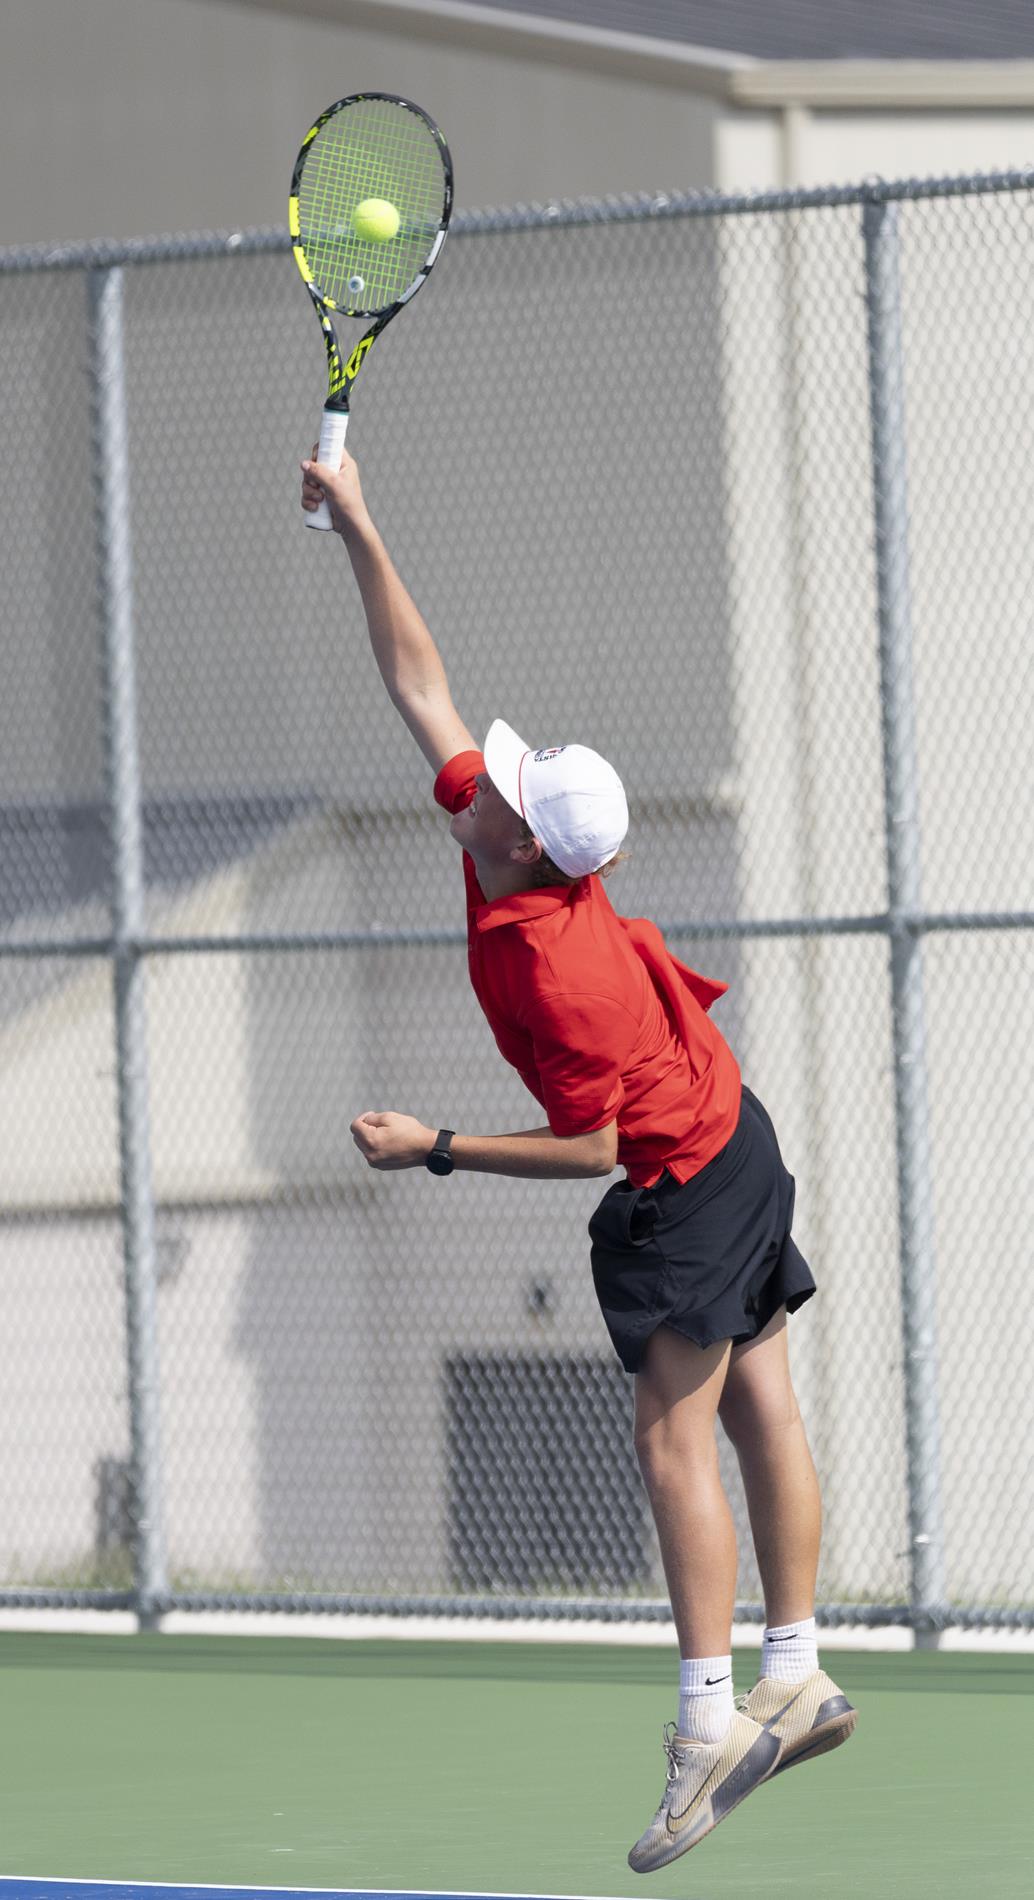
[789, 1652]
[705, 1697]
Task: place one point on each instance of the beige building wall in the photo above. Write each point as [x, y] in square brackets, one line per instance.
[124, 117]
[802, 592]
[130, 116]
[805, 146]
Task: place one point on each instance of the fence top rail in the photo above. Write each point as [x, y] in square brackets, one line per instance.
[110, 253]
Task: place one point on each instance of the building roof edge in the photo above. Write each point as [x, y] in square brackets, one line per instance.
[568, 42]
[893, 84]
[739, 80]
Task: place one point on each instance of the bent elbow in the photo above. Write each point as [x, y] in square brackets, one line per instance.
[606, 1157]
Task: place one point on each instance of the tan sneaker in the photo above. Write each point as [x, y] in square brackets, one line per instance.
[706, 1780]
[807, 1717]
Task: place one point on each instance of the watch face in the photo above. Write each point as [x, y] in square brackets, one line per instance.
[440, 1161]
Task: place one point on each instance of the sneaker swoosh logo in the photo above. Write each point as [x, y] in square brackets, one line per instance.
[771, 1720]
[676, 1822]
[697, 1810]
[694, 1816]
[781, 1639]
[711, 1680]
[733, 1784]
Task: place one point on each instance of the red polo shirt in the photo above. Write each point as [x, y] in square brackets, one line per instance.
[597, 1016]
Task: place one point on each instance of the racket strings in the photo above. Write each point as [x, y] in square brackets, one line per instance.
[370, 149]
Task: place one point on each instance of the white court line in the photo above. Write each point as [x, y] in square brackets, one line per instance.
[318, 1893]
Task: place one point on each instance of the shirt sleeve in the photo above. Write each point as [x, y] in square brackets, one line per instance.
[581, 1048]
[457, 781]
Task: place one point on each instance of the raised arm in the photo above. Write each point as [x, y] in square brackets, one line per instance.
[409, 662]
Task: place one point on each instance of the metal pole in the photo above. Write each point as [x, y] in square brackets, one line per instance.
[111, 480]
[901, 788]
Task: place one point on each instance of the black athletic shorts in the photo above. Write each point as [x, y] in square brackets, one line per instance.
[712, 1258]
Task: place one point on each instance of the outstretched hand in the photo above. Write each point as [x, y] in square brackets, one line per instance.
[386, 1140]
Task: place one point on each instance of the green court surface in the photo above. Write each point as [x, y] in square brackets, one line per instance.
[518, 1768]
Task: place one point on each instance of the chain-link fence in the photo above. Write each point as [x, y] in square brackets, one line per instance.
[737, 491]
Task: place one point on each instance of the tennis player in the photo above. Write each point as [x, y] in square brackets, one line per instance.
[693, 1260]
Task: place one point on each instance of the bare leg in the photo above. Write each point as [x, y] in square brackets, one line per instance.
[759, 1412]
[676, 1399]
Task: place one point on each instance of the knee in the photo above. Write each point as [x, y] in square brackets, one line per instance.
[669, 1454]
[750, 1414]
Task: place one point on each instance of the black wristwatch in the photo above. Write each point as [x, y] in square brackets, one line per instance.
[440, 1160]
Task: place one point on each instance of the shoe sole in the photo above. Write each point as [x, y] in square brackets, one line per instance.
[678, 1848]
[819, 1742]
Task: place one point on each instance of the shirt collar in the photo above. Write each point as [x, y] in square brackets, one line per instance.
[522, 906]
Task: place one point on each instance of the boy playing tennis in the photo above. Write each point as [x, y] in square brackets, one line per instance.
[692, 1256]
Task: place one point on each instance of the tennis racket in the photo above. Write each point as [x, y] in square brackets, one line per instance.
[371, 198]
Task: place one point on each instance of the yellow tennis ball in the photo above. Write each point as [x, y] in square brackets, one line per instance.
[375, 220]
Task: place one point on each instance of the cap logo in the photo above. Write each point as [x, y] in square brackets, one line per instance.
[549, 752]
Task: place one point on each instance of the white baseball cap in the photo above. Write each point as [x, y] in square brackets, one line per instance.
[573, 801]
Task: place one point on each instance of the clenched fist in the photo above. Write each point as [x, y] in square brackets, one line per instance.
[387, 1140]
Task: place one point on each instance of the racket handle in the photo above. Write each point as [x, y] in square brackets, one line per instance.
[333, 430]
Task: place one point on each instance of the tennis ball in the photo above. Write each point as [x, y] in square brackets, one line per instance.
[375, 220]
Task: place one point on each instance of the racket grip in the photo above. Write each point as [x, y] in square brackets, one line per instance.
[333, 430]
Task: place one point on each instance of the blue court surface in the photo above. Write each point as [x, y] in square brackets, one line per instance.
[13, 1888]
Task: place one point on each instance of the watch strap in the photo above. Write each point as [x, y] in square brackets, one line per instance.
[440, 1160]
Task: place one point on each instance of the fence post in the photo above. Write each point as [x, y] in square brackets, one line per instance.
[114, 562]
[901, 796]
